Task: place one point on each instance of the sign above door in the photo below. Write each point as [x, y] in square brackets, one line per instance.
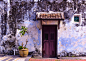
[49, 15]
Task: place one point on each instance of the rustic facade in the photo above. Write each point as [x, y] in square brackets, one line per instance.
[68, 18]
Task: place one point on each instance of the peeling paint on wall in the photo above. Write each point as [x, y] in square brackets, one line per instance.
[73, 38]
[70, 37]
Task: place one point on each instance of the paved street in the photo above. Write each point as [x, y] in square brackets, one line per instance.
[60, 59]
[28, 58]
[14, 58]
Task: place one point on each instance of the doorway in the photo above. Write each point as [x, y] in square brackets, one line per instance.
[49, 41]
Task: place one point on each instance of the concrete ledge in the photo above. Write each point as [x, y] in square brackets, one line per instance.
[72, 57]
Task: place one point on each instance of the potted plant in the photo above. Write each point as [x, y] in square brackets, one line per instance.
[23, 51]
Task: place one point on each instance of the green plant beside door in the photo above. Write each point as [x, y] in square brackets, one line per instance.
[23, 51]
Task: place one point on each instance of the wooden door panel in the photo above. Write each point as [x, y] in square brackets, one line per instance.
[46, 50]
[49, 41]
[52, 49]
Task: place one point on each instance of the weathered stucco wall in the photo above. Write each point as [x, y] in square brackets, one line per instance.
[72, 38]
[33, 35]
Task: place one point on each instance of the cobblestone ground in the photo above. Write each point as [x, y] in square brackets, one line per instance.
[33, 59]
[14, 58]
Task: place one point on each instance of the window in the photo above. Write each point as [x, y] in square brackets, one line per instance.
[46, 37]
[77, 19]
[52, 36]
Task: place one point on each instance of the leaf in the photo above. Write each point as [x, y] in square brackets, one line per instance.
[21, 31]
[20, 47]
[22, 27]
[25, 30]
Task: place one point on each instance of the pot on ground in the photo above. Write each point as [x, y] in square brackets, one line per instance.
[23, 52]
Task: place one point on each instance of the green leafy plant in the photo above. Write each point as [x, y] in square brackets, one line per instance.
[20, 47]
[22, 32]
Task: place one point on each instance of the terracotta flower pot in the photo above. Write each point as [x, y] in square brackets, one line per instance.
[23, 52]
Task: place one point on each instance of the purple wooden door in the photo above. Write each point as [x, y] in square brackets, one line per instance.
[49, 41]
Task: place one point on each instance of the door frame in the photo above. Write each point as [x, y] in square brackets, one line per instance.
[55, 40]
